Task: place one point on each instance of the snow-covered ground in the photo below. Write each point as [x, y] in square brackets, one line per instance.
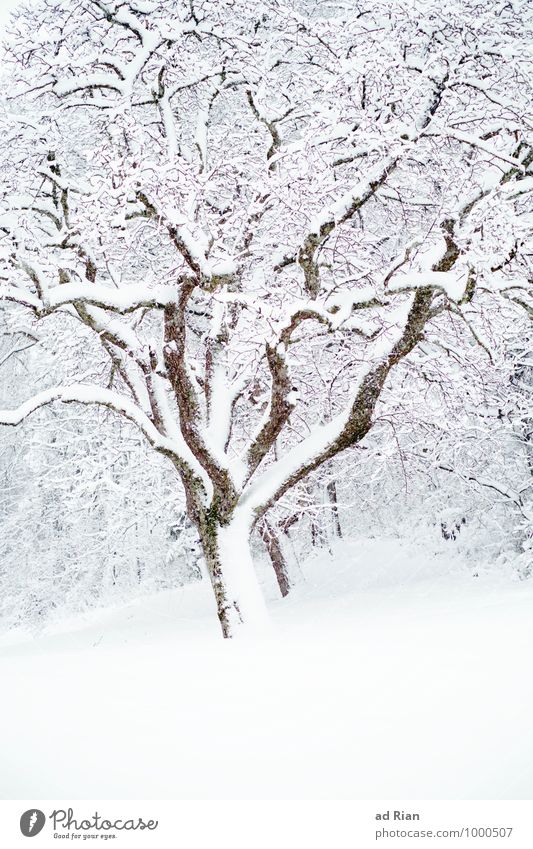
[389, 673]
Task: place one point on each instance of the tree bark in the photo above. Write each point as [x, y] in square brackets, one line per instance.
[275, 552]
[228, 558]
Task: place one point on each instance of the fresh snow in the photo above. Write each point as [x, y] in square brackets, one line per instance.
[388, 673]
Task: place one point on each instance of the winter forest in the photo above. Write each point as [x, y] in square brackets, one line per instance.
[266, 309]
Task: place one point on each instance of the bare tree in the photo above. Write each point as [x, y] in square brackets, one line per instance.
[257, 212]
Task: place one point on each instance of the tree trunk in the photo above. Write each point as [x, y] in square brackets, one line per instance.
[275, 552]
[232, 573]
[332, 495]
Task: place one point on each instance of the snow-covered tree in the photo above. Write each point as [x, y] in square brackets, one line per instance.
[255, 216]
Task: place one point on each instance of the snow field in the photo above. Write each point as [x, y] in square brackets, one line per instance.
[390, 673]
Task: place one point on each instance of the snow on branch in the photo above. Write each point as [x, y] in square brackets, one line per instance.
[352, 423]
[86, 394]
[125, 300]
[88, 83]
[345, 206]
[20, 296]
[473, 141]
[210, 273]
[450, 283]
[282, 394]
[334, 214]
[508, 494]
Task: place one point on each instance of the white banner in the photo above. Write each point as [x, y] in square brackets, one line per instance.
[258, 824]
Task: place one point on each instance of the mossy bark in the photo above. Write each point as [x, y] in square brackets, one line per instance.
[228, 559]
[228, 611]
